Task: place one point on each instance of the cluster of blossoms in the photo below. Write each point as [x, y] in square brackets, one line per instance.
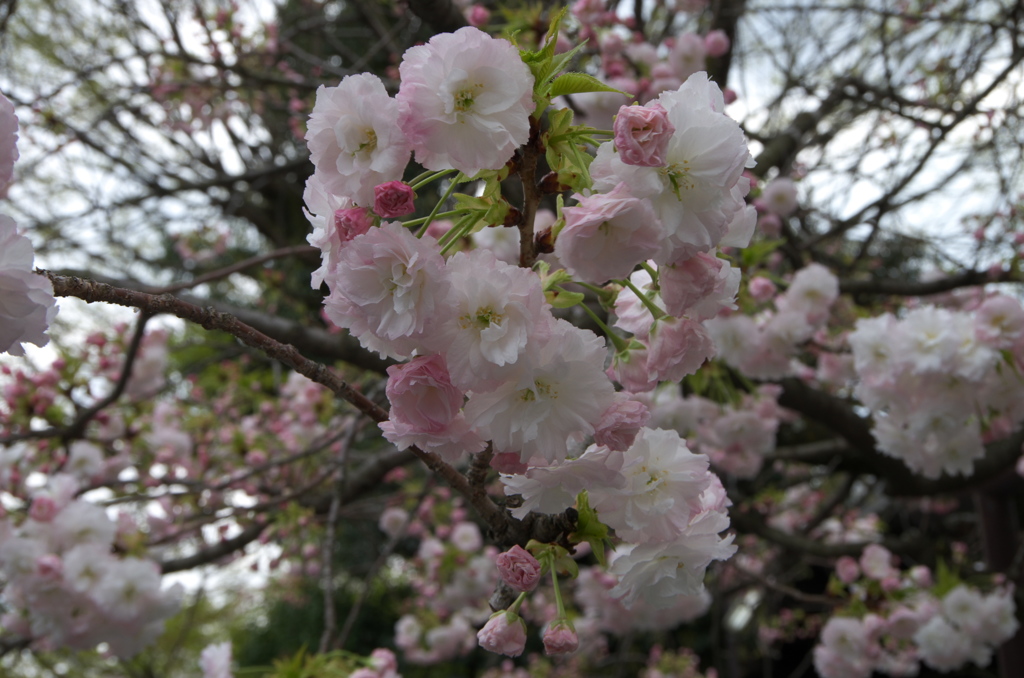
[27, 305]
[486, 358]
[942, 382]
[64, 585]
[945, 625]
[764, 346]
[454, 571]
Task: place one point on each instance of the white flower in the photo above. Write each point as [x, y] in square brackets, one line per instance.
[26, 299]
[354, 138]
[496, 310]
[561, 391]
[465, 101]
[664, 482]
[693, 194]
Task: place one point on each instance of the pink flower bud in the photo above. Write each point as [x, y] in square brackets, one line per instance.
[393, 199]
[478, 16]
[519, 568]
[762, 289]
[43, 509]
[352, 222]
[504, 633]
[560, 638]
[716, 43]
[642, 134]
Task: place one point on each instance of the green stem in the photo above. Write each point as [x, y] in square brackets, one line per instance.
[437, 207]
[453, 236]
[558, 596]
[514, 607]
[442, 215]
[655, 311]
[620, 344]
[651, 271]
[427, 177]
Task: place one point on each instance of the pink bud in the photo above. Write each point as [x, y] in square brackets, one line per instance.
[642, 134]
[716, 43]
[43, 509]
[393, 199]
[762, 289]
[519, 568]
[560, 638]
[352, 222]
[504, 633]
[478, 16]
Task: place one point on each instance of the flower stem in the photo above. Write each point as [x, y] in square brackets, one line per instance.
[617, 341]
[644, 299]
[437, 207]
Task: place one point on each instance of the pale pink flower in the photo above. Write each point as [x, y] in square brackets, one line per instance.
[699, 287]
[426, 409]
[26, 299]
[322, 210]
[354, 138]
[688, 55]
[642, 134]
[664, 484]
[8, 143]
[494, 311]
[607, 234]
[393, 199]
[659, 572]
[518, 568]
[388, 289]
[876, 562]
[559, 391]
[679, 346]
[697, 195]
[352, 222]
[553, 488]
[504, 633]
[621, 423]
[779, 197]
[560, 638]
[465, 101]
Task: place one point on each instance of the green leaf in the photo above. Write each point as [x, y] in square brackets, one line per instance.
[590, 529]
[579, 83]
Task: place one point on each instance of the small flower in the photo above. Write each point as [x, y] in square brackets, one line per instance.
[393, 199]
[642, 134]
[504, 633]
[560, 638]
[351, 222]
[518, 568]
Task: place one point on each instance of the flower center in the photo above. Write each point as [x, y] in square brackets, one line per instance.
[678, 176]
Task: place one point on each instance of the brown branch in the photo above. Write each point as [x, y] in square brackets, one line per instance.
[211, 319]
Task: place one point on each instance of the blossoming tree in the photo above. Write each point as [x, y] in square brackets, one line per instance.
[633, 362]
